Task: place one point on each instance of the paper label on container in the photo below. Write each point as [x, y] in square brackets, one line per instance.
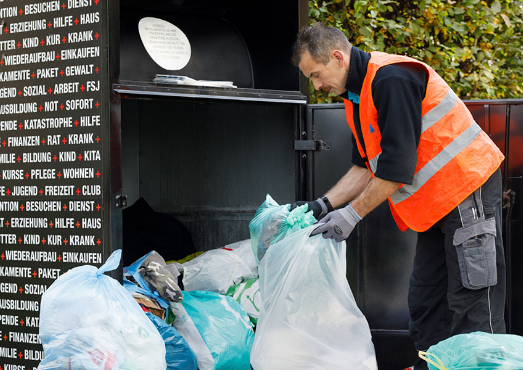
[166, 44]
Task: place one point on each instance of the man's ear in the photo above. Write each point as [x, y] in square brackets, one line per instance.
[340, 58]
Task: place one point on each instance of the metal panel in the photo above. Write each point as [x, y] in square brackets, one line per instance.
[211, 164]
[504, 123]
[269, 32]
[113, 180]
[329, 124]
[130, 148]
[199, 92]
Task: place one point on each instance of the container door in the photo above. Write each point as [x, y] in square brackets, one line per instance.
[379, 255]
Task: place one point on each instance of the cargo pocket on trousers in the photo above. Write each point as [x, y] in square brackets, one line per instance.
[476, 249]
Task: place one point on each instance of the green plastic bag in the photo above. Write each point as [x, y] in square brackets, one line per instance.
[273, 222]
[247, 294]
[476, 350]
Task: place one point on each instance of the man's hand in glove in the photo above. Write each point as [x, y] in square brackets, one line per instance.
[318, 207]
[338, 225]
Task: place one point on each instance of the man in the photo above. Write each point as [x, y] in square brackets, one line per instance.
[416, 145]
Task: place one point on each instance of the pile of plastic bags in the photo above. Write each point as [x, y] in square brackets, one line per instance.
[215, 326]
[89, 321]
[200, 314]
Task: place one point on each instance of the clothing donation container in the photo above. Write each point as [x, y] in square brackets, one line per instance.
[99, 107]
[54, 124]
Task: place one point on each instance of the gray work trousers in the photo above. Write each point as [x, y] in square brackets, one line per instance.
[458, 281]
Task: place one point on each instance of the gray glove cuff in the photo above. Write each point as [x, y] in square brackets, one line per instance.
[350, 215]
[324, 209]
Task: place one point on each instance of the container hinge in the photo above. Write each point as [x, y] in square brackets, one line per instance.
[121, 201]
[312, 145]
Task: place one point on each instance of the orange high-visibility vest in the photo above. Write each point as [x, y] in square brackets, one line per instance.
[455, 156]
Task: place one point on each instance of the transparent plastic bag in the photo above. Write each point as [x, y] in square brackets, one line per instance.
[309, 318]
[273, 222]
[476, 350]
[88, 321]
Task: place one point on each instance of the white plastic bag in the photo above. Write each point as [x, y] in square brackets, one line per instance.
[88, 321]
[244, 250]
[215, 271]
[309, 318]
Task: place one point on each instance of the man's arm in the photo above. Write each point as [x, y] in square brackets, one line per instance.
[376, 192]
[345, 190]
[351, 185]
[339, 224]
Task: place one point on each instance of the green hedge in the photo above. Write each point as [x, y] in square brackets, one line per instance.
[476, 46]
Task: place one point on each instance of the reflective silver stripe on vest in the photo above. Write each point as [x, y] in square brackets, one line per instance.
[430, 118]
[437, 163]
[439, 111]
[373, 163]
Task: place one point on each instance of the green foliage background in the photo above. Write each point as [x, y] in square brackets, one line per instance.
[476, 46]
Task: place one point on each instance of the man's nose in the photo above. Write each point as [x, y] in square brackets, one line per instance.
[317, 84]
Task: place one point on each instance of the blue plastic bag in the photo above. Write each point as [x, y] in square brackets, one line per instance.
[88, 321]
[476, 350]
[273, 222]
[179, 355]
[222, 324]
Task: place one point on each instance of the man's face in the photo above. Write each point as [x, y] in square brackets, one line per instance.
[330, 77]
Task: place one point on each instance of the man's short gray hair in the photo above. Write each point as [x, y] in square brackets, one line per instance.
[319, 40]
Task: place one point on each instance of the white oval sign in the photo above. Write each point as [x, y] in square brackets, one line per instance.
[166, 44]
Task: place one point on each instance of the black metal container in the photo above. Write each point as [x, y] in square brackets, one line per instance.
[207, 156]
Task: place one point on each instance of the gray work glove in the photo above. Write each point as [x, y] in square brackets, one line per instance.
[338, 225]
[318, 207]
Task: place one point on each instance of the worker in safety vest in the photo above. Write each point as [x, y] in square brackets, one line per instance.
[416, 145]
